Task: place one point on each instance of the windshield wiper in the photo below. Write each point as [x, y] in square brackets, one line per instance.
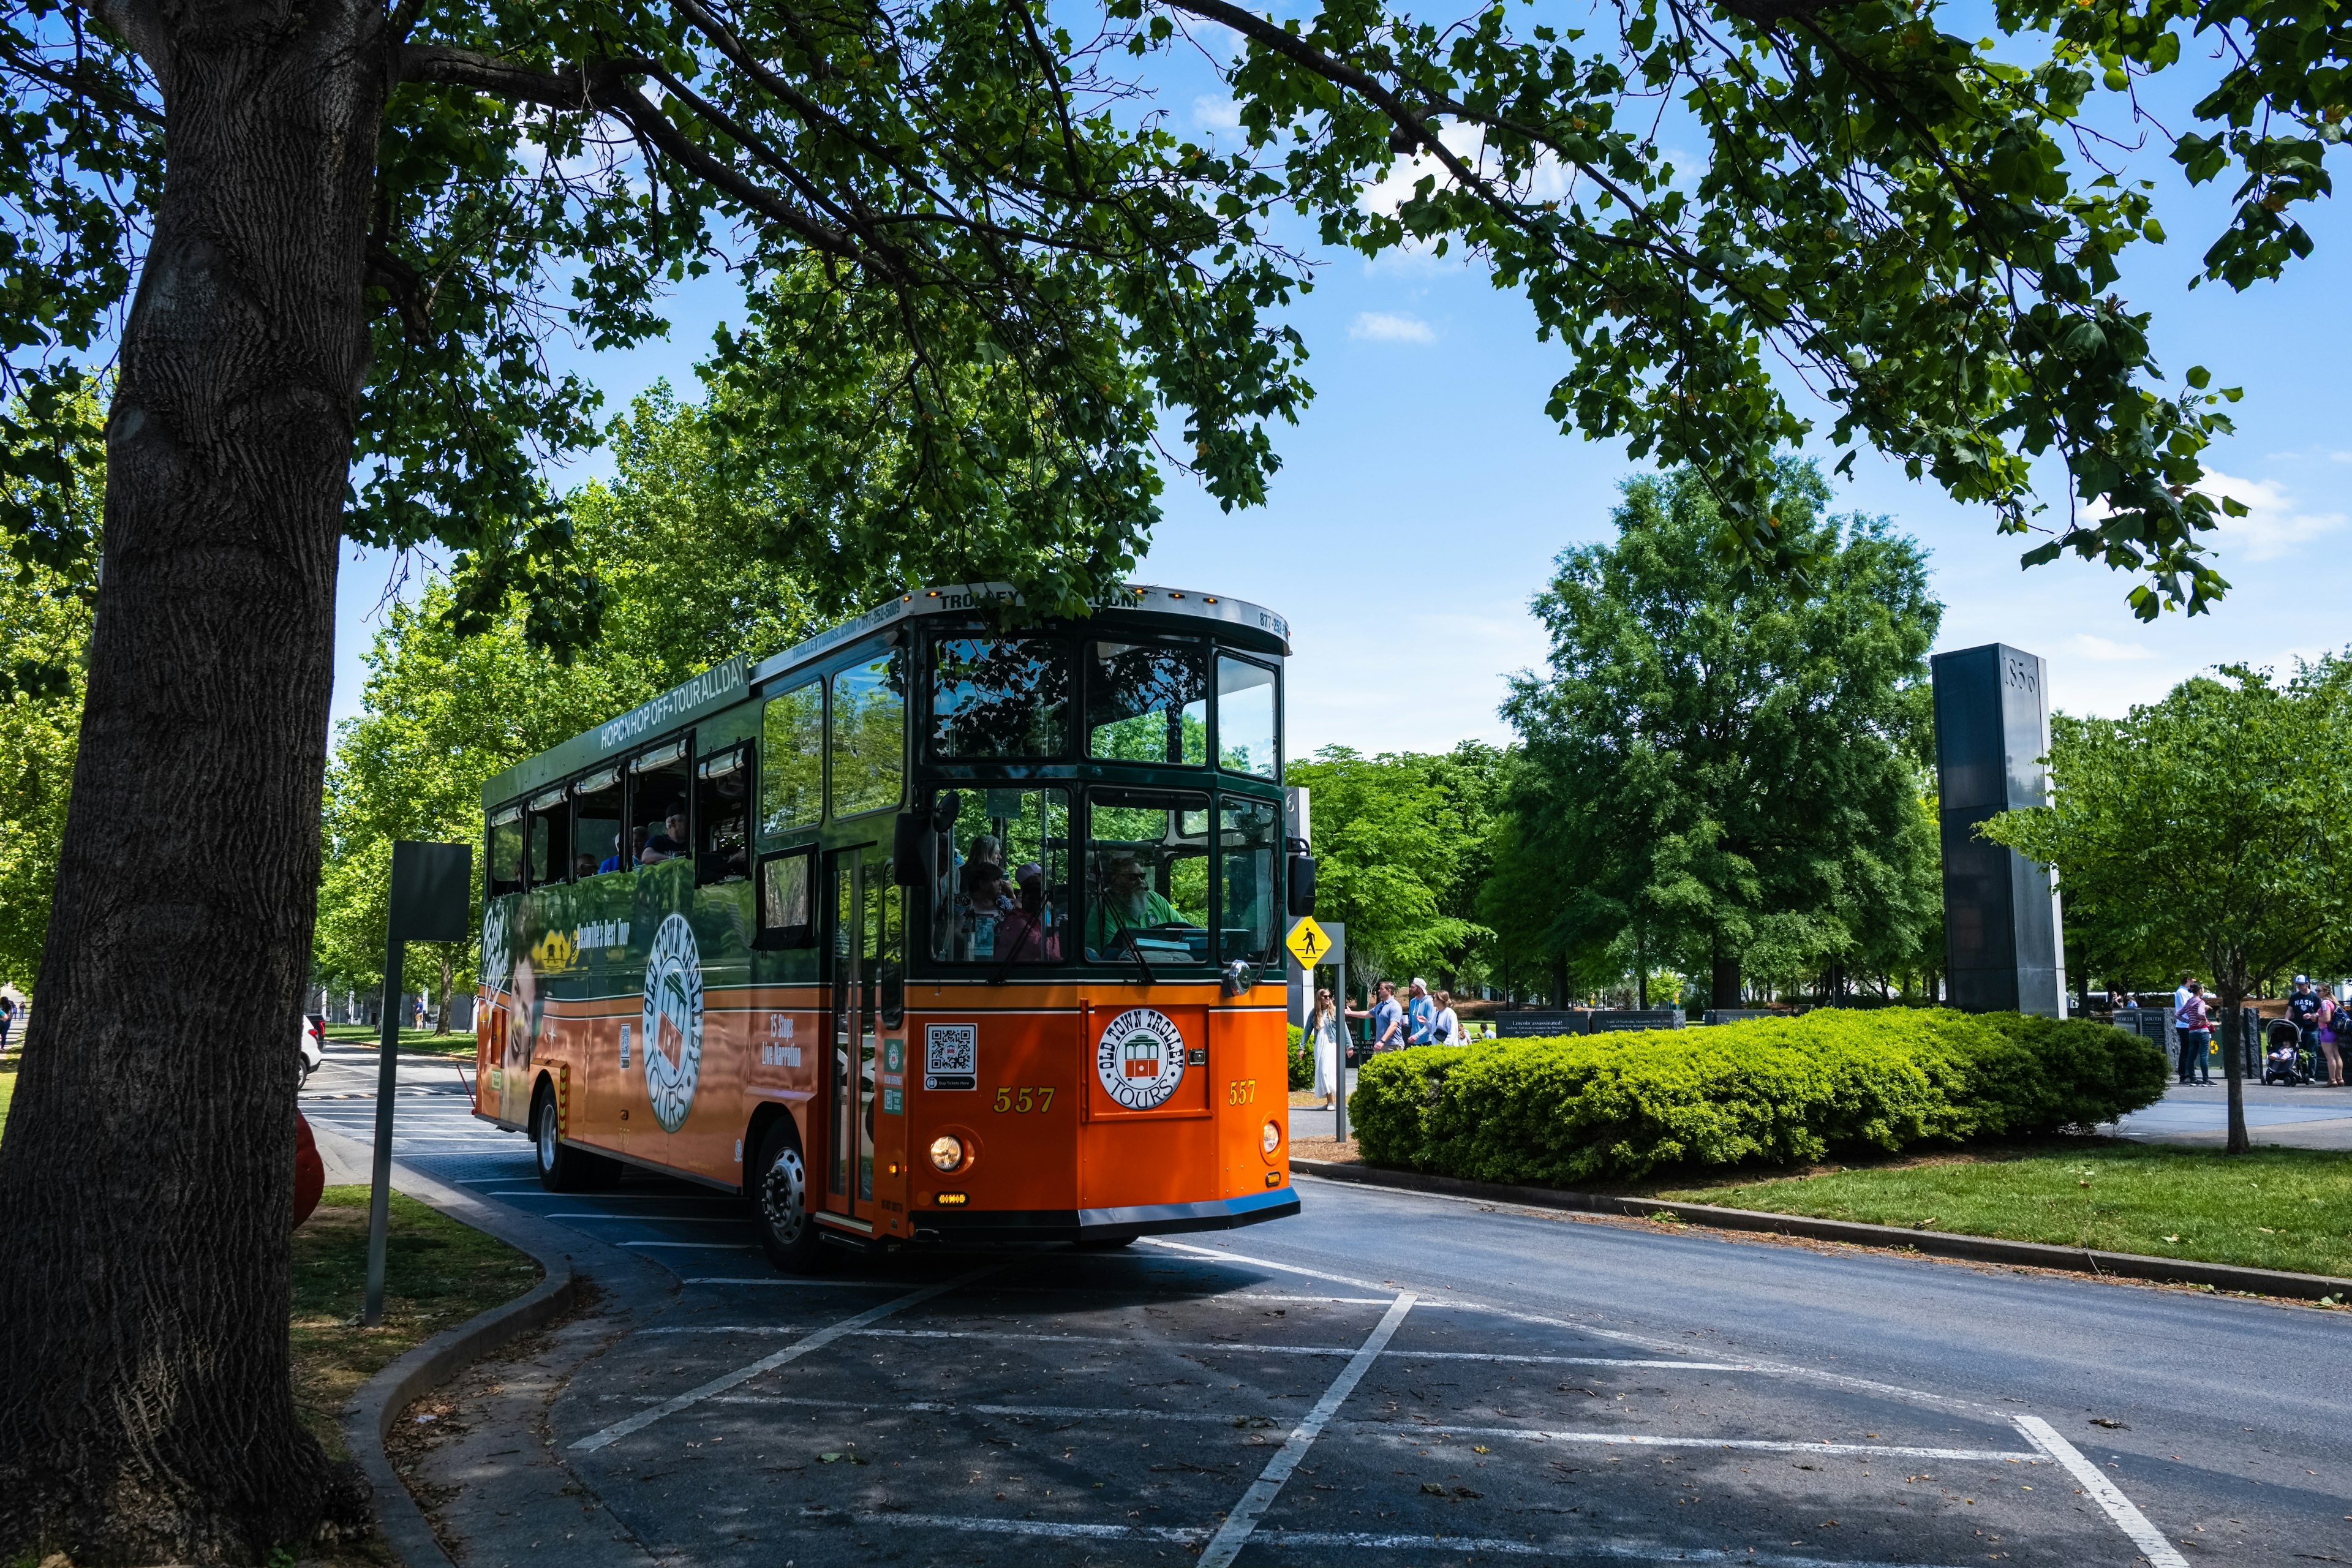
[1134, 948]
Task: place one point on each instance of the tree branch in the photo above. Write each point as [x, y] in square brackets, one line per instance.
[138, 23]
[81, 84]
[600, 87]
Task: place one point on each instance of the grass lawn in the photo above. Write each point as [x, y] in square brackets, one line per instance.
[437, 1273]
[458, 1043]
[2273, 1208]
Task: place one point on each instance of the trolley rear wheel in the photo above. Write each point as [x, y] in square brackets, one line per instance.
[561, 1167]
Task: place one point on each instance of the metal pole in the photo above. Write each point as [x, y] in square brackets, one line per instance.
[387, 1079]
[1338, 955]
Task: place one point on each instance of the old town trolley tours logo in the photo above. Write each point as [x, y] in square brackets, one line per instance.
[1140, 1059]
[672, 1022]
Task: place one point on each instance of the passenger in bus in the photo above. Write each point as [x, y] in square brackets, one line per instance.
[674, 825]
[583, 864]
[659, 847]
[986, 864]
[1126, 901]
[1024, 935]
[614, 862]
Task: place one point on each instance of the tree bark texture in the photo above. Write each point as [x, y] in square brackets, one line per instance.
[2233, 1063]
[146, 1178]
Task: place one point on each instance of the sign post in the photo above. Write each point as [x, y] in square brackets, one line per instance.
[429, 883]
[1313, 947]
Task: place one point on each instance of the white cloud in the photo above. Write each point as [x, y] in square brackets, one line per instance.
[2274, 525]
[1212, 112]
[2103, 650]
[1381, 327]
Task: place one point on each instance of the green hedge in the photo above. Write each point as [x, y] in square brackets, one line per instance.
[1619, 1106]
[1302, 1059]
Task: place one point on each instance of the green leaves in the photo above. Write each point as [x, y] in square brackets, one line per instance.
[1889, 212]
[1727, 762]
[2200, 826]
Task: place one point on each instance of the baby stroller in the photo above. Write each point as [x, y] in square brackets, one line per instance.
[2282, 1059]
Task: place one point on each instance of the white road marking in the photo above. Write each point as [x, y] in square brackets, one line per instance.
[1568, 1547]
[744, 1375]
[819, 1283]
[698, 1246]
[2129, 1518]
[660, 1218]
[1114, 1343]
[1631, 1439]
[1061, 1529]
[937, 1408]
[1776, 1369]
[1242, 1522]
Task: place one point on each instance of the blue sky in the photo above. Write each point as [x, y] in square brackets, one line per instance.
[1425, 495]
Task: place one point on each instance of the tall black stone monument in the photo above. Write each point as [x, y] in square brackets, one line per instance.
[2003, 947]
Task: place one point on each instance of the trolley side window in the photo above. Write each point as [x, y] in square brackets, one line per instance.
[1148, 702]
[1147, 877]
[787, 891]
[506, 851]
[722, 815]
[659, 828]
[1000, 697]
[1247, 712]
[1249, 913]
[792, 759]
[868, 736]
[1001, 892]
[596, 824]
[548, 829]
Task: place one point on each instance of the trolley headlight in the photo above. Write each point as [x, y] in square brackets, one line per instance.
[1270, 1138]
[947, 1151]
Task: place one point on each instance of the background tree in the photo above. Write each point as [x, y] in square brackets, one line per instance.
[1395, 836]
[2208, 819]
[356, 224]
[1719, 763]
[47, 595]
[675, 537]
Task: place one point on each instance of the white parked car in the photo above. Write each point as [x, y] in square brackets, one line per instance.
[312, 1044]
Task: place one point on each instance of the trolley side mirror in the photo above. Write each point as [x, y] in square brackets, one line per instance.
[1302, 885]
[908, 831]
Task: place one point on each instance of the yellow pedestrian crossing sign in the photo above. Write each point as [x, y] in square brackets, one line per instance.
[1307, 942]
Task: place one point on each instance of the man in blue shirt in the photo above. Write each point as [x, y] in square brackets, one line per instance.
[1388, 1019]
[1424, 1013]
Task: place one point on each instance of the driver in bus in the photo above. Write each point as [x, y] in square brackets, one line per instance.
[1126, 902]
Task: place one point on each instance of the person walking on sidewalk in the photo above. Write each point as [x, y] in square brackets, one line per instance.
[1447, 1029]
[1324, 1036]
[1422, 1015]
[2196, 1026]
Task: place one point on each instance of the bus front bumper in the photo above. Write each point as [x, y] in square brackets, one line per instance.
[1103, 1224]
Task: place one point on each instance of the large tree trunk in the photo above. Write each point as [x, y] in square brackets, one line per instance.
[146, 1178]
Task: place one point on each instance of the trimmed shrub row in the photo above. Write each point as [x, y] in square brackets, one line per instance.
[1616, 1107]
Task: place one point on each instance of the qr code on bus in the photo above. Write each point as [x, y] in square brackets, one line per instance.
[951, 1056]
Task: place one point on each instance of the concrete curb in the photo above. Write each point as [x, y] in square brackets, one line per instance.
[382, 1397]
[1942, 1244]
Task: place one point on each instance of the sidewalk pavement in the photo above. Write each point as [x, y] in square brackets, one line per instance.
[2313, 1116]
[484, 1468]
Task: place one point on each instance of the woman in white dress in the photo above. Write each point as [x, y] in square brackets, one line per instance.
[1330, 1049]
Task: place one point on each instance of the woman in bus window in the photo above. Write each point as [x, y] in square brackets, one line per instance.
[1025, 935]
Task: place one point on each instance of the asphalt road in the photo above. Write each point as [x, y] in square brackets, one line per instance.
[1394, 1377]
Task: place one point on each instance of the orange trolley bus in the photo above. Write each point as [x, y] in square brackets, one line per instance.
[925, 931]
